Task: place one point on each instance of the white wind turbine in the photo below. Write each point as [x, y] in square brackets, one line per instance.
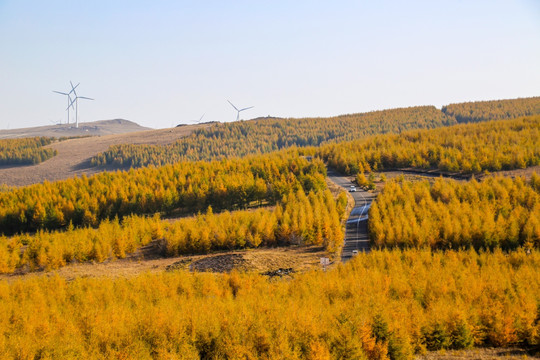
[76, 101]
[68, 96]
[238, 111]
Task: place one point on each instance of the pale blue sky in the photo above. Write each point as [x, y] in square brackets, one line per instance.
[168, 62]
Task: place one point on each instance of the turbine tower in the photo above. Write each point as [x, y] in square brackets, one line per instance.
[68, 96]
[239, 111]
[76, 101]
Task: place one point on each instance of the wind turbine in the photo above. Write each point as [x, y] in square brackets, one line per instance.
[192, 122]
[68, 96]
[76, 101]
[238, 111]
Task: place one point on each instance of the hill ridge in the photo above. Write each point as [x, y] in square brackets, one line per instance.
[93, 128]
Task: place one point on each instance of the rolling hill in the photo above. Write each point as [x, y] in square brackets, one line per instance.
[73, 155]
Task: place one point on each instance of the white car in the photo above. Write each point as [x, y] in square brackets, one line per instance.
[354, 252]
[352, 188]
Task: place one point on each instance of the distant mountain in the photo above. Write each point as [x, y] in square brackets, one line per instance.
[95, 128]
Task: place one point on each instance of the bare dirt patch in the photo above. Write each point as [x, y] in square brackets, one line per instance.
[74, 155]
[298, 258]
[219, 263]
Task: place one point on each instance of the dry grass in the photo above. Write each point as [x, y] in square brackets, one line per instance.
[74, 155]
[94, 128]
[480, 354]
[422, 175]
[149, 259]
[526, 173]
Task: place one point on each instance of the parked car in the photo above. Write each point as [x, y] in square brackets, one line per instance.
[352, 188]
[354, 252]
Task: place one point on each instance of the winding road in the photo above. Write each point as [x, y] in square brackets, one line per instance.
[356, 235]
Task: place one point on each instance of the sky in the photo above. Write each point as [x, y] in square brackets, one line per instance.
[165, 63]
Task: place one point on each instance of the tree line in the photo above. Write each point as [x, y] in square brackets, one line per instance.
[466, 148]
[48, 250]
[269, 134]
[494, 213]
[26, 151]
[493, 110]
[382, 305]
[299, 218]
[185, 188]
[265, 135]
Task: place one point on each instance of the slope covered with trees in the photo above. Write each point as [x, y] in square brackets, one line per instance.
[386, 304]
[467, 148]
[493, 110]
[264, 135]
[312, 219]
[187, 187]
[241, 138]
[26, 151]
[497, 212]
[298, 218]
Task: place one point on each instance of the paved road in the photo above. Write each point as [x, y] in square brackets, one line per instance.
[356, 235]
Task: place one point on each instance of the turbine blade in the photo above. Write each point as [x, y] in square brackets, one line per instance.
[202, 117]
[59, 92]
[232, 105]
[73, 88]
[83, 97]
[246, 108]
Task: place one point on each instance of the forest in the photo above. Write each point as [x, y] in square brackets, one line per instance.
[315, 218]
[453, 265]
[265, 135]
[301, 219]
[495, 213]
[26, 151]
[467, 148]
[493, 110]
[186, 188]
[388, 304]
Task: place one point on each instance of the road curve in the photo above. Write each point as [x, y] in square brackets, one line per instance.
[356, 234]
